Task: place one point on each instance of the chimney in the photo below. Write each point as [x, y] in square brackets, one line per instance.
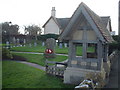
[53, 12]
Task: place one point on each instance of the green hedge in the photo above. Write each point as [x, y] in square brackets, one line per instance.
[44, 37]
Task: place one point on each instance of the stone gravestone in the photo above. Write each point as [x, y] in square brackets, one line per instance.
[14, 41]
[24, 41]
[35, 44]
[30, 45]
[65, 45]
[56, 42]
[60, 45]
[43, 44]
[18, 42]
[7, 44]
[50, 46]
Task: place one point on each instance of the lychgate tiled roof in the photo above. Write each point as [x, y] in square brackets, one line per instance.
[100, 22]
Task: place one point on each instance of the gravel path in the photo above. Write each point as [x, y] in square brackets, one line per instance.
[33, 64]
[38, 53]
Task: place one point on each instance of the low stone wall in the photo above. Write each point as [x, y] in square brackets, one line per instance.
[112, 57]
[76, 75]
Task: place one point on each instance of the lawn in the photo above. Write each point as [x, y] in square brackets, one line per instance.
[41, 49]
[18, 75]
[39, 59]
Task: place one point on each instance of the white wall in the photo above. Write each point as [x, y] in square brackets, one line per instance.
[51, 27]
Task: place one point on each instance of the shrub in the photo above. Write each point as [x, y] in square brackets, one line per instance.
[6, 54]
[115, 45]
[97, 77]
[44, 37]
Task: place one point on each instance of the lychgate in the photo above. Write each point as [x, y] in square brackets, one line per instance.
[89, 31]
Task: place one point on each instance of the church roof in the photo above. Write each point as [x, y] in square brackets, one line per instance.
[63, 22]
[98, 23]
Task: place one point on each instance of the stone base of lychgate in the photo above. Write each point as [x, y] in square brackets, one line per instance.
[76, 75]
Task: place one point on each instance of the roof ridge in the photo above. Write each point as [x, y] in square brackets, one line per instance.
[98, 23]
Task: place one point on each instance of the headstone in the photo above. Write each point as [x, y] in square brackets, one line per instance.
[35, 44]
[24, 41]
[18, 42]
[30, 45]
[14, 41]
[60, 45]
[43, 44]
[50, 46]
[56, 42]
[65, 45]
[7, 44]
[20, 45]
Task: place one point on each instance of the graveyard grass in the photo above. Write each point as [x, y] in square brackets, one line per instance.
[39, 59]
[18, 75]
[41, 49]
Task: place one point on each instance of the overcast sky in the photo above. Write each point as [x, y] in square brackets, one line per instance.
[27, 12]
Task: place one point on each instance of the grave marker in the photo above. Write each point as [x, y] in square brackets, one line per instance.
[43, 44]
[60, 45]
[50, 46]
[35, 44]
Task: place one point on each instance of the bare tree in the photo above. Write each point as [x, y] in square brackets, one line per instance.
[32, 31]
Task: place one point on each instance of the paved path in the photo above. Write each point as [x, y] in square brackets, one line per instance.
[36, 65]
[33, 65]
[113, 78]
[38, 53]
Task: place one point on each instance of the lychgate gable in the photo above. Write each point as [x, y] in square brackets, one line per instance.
[94, 21]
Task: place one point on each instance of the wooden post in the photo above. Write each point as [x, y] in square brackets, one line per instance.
[84, 43]
[105, 53]
[99, 53]
[70, 53]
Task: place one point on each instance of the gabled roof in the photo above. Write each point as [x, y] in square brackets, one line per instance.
[63, 22]
[94, 20]
[53, 19]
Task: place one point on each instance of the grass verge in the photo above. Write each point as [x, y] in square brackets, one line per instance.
[39, 59]
[18, 75]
